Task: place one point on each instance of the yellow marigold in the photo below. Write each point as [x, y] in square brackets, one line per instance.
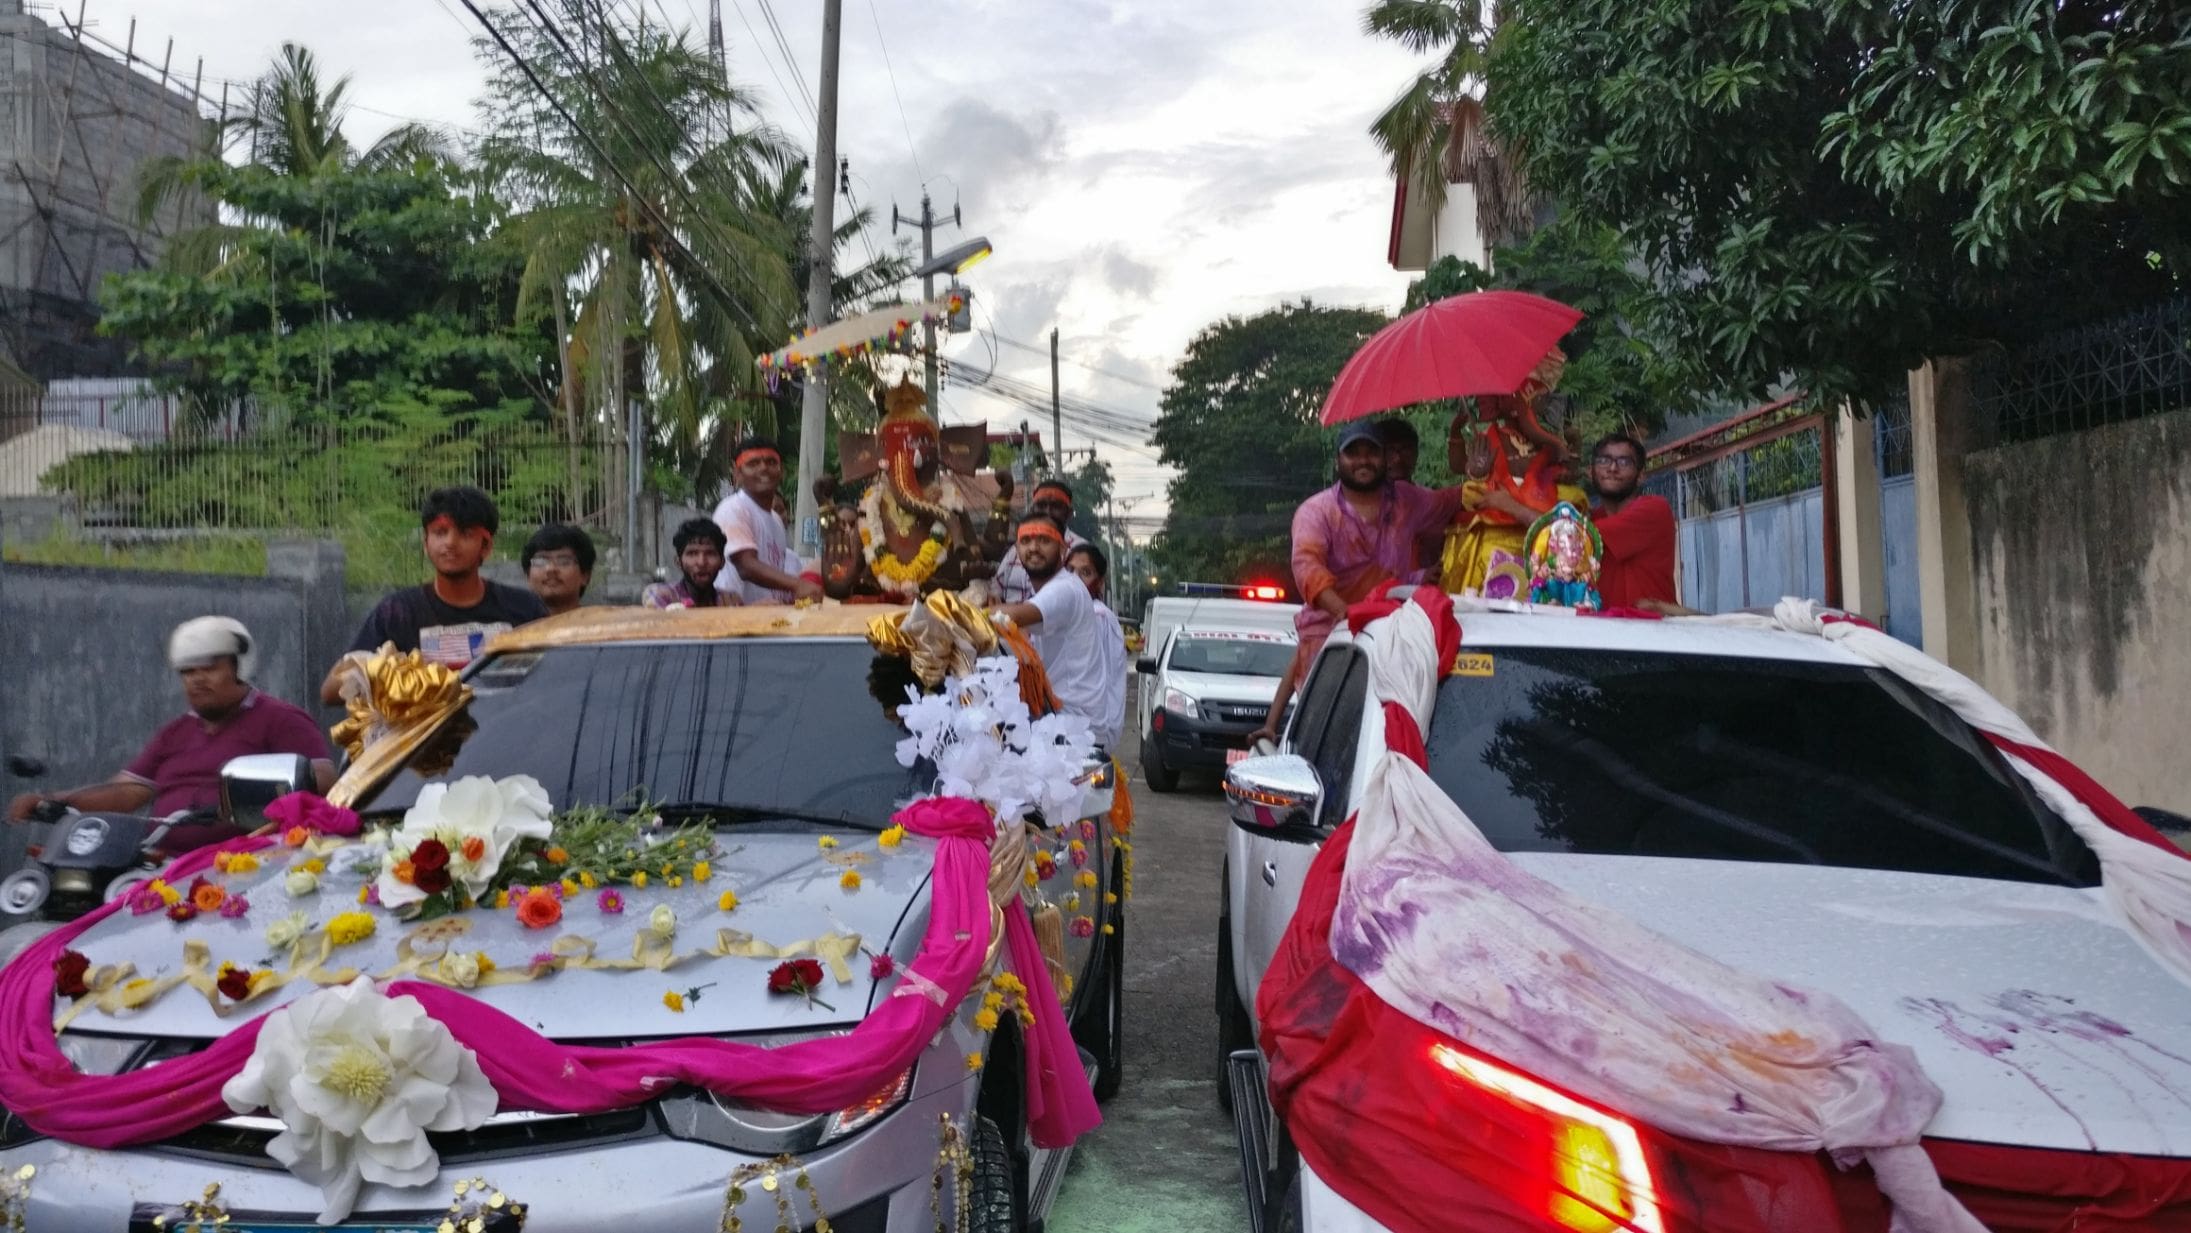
[587, 880]
[168, 894]
[1110, 896]
[363, 891]
[973, 1063]
[992, 1002]
[702, 871]
[675, 1001]
[639, 880]
[1029, 877]
[557, 856]
[1109, 929]
[891, 837]
[1072, 903]
[314, 865]
[570, 887]
[1009, 983]
[668, 870]
[726, 901]
[486, 965]
[850, 880]
[826, 842]
[986, 1020]
[501, 899]
[1085, 878]
[675, 881]
[350, 927]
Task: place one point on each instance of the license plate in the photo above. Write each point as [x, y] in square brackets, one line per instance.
[1234, 756]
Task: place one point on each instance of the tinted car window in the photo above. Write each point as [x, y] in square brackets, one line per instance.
[1736, 759]
[1342, 739]
[1232, 656]
[778, 724]
[1313, 713]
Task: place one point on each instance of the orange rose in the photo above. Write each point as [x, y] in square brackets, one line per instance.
[539, 909]
[403, 872]
[207, 897]
[557, 856]
[474, 848]
[295, 836]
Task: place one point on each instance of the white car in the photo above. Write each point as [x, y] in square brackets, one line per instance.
[1772, 801]
[1206, 690]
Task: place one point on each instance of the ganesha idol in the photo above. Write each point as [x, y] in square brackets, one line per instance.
[1504, 451]
[911, 532]
[1564, 555]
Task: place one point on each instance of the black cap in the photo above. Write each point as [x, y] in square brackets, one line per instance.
[1360, 430]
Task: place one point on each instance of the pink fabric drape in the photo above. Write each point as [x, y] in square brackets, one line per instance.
[532, 1072]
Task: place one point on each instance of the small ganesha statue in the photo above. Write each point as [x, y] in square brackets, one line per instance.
[1564, 555]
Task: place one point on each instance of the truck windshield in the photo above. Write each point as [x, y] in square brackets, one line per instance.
[785, 724]
[1617, 753]
[1264, 655]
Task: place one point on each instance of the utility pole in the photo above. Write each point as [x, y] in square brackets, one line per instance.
[814, 402]
[1057, 417]
[928, 223]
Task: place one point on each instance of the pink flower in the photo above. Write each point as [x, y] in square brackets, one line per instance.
[235, 906]
[1079, 857]
[313, 813]
[609, 901]
[545, 959]
[1083, 927]
[145, 900]
[880, 967]
[1087, 828]
[372, 893]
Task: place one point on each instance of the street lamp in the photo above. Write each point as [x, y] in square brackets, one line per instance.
[956, 260]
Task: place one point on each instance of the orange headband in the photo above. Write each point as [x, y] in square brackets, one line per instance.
[756, 452]
[1040, 530]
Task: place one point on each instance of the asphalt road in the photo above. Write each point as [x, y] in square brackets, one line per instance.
[1164, 1157]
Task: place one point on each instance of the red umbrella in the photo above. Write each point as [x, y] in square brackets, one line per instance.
[1483, 342]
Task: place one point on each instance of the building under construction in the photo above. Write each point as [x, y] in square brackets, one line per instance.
[80, 114]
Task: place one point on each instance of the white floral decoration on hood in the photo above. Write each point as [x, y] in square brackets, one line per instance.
[497, 812]
[987, 746]
[357, 1079]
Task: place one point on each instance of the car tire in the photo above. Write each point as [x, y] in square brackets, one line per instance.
[1159, 777]
[1103, 1030]
[993, 1204]
[1234, 1032]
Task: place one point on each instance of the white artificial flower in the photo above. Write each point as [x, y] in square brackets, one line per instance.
[287, 930]
[357, 1079]
[662, 922]
[300, 882]
[461, 970]
[497, 812]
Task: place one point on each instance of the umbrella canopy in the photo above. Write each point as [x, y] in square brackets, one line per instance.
[879, 329]
[1483, 342]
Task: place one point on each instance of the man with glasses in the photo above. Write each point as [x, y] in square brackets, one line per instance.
[1638, 528]
[559, 566]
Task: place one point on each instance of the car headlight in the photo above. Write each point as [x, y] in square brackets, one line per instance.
[86, 837]
[1180, 702]
[703, 1117]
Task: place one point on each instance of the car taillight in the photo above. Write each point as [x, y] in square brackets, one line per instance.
[1579, 1166]
[1263, 591]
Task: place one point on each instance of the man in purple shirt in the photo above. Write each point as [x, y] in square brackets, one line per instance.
[179, 769]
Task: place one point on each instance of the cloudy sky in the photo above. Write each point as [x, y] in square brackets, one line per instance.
[1143, 167]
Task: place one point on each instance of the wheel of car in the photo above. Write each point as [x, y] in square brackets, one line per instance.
[994, 1205]
[1233, 1030]
[1102, 1028]
[1159, 777]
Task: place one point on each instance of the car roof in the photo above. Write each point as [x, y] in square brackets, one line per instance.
[1250, 633]
[1672, 635]
[592, 626]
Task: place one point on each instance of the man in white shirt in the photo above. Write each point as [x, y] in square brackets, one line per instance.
[763, 567]
[1087, 563]
[1012, 584]
[1061, 623]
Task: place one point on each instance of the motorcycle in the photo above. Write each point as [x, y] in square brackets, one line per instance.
[86, 859]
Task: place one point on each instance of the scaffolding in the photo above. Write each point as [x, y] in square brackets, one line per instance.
[80, 115]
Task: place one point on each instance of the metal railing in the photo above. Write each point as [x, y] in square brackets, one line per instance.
[2134, 365]
[1891, 437]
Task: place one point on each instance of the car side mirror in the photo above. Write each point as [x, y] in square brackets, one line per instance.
[1146, 663]
[1277, 795]
[252, 782]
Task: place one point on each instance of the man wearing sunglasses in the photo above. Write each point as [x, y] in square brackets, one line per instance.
[1638, 528]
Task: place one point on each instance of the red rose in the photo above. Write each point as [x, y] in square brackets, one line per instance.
[430, 854]
[809, 971]
[783, 978]
[181, 910]
[433, 881]
[235, 984]
[68, 974]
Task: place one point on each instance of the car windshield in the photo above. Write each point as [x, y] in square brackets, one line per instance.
[760, 724]
[1233, 655]
[1614, 753]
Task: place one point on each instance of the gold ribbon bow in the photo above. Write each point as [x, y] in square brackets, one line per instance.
[397, 702]
[942, 636]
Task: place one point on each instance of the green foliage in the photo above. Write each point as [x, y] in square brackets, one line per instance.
[1239, 422]
[1832, 191]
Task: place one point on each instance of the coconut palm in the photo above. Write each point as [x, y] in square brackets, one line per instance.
[1435, 131]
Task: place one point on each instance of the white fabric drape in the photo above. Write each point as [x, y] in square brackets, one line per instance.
[1447, 930]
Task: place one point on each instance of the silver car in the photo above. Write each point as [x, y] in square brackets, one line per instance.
[782, 740]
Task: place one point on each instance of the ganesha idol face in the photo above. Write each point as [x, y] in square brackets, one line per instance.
[912, 453]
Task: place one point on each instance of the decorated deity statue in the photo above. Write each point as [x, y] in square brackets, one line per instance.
[911, 532]
[1515, 467]
[1564, 555]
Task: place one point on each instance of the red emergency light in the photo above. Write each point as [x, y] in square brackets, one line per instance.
[1263, 590]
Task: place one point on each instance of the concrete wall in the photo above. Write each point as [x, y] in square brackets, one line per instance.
[83, 670]
[2081, 554]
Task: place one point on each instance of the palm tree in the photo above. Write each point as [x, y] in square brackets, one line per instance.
[1435, 132]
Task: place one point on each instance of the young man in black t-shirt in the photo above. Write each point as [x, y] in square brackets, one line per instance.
[451, 617]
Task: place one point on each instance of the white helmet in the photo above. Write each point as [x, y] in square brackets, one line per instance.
[201, 640]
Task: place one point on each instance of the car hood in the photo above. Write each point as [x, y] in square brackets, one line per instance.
[1222, 687]
[2044, 1024]
[788, 890]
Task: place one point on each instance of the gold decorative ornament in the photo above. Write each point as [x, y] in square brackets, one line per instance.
[769, 1173]
[955, 1157]
[15, 1197]
[480, 1208]
[942, 636]
[204, 1215]
[397, 701]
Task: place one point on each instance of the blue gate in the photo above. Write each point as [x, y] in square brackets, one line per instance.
[1750, 500]
[1898, 520]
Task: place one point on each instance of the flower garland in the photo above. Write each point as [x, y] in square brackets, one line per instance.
[903, 578]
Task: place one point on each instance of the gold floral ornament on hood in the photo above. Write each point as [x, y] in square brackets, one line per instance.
[398, 701]
[941, 636]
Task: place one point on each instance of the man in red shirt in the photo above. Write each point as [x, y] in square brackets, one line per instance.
[1638, 528]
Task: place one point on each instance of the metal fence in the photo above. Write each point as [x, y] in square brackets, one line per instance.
[2134, 365]
[1891, 437]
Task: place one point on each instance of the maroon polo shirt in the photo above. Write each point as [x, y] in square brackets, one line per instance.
[182, 762]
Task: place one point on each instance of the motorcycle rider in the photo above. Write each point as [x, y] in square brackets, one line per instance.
[179, 769]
